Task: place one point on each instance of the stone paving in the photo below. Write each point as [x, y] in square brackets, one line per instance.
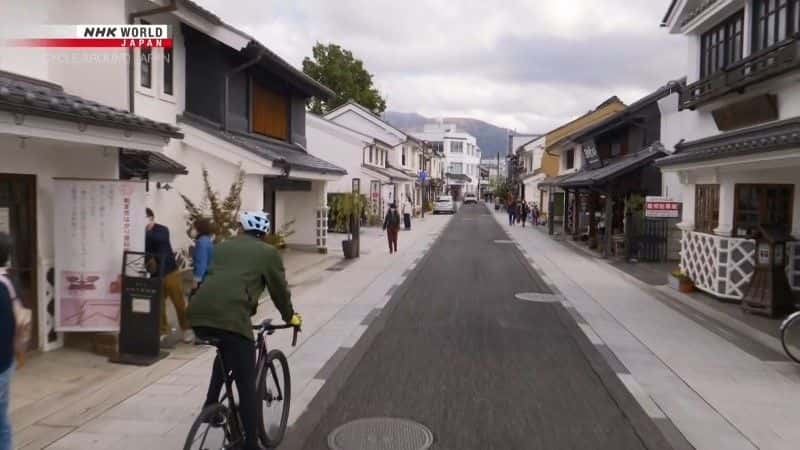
[718, 394]
[124, 407]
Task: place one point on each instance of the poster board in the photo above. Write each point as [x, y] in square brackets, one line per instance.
[95, 221]
[662, 208]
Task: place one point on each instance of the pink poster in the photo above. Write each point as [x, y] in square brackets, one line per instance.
[95, 222]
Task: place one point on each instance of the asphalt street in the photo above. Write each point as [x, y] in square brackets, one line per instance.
[455, 351]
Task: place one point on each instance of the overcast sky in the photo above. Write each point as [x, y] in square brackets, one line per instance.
[529, 65]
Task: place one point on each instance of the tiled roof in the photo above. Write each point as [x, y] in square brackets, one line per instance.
[704, 6]
[151, 162]
[760, 139]
[556, 181]
[39, 98]
[615, 168]
[394, 174]
[270, 149]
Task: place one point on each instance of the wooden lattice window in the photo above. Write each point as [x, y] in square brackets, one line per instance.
[706, 208]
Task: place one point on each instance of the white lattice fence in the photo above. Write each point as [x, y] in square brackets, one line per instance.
[718, 265]
[322, 230]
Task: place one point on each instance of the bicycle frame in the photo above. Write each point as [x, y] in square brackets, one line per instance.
[265, 329]
[228, 396]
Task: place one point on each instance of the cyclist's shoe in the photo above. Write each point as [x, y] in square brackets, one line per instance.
[296, 320]
[216, 421]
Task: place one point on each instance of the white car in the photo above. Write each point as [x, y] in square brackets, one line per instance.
[444, 205]
[470, 198]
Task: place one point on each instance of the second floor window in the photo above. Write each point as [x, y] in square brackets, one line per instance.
[774, 21]
[569, 159]
[456, 168]
[403, 162]
[722, 45]
[270, 113]
[146, 67]
[456, 147]
[168, 71]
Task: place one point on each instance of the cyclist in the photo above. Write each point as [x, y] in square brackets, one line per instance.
[221, 308]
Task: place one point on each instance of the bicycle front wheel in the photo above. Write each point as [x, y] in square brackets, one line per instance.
[790, 336]
[275, 391]
[213, 430]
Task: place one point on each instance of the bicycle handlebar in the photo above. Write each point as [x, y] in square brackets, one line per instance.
[267, 327]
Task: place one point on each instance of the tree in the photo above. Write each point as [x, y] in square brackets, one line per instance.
[223, 212]
[345, 75]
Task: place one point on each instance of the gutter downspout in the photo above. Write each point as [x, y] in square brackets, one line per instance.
[172, 6]
[234, 71]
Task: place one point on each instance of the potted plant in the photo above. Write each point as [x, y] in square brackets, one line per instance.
[278, 239]
[681, 282]
[347, 209]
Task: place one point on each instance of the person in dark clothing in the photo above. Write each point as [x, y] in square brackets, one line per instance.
[7, 333]
[524, 212]
[242, 268]
[157, 243]
[511, 209]
[392, 226]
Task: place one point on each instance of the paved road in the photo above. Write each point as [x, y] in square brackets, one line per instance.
[455, 351]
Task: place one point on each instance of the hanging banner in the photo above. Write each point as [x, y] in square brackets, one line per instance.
[95, 221]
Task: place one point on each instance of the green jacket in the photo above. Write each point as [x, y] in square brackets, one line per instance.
[242, 267]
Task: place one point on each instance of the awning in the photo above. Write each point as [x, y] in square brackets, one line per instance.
[458, 177]
[555, 181]
[394, 174]
[139, 163]
[374, 173]
[615, 168]
[780, 135]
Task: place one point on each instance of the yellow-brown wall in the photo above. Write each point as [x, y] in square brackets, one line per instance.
[556, 136]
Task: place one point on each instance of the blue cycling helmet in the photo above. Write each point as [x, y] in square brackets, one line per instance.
[254, 221]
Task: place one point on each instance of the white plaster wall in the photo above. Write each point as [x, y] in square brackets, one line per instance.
[361, 124]
[301, 207]
[336, 148]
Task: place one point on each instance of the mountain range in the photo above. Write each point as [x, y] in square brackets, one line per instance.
[491, 138]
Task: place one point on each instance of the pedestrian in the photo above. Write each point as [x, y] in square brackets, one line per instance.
[15, 327]
[392, 225]
[511, 209]
[525, 212]
[203, 251]
[158, 247]
[520, 209]
[406, 209]
[535, 214]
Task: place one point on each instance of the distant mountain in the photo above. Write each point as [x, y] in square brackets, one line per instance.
[491, 138]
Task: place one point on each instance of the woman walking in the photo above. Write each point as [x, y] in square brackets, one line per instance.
[407, 214]
[392, 225]
[203, 251]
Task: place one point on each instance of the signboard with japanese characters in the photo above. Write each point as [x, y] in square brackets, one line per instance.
[95, 221]
[662, 208]
[591, 156]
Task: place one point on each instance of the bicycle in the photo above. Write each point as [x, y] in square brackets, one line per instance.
[224, 415]
[790, 336]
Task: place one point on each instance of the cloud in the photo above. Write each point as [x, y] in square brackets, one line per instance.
[524, 64]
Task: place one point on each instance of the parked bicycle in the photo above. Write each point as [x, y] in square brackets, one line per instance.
[219, 426]
[790, 336]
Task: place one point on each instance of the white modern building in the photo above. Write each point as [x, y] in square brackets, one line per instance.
[735, 131]
[462, 156]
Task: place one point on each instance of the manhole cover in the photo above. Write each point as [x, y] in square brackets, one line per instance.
[381, 433]
[501, 241]
[539, 297]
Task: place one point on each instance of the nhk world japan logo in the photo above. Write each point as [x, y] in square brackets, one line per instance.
[90, 36]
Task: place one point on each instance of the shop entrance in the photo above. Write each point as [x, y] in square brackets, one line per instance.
[18, 219]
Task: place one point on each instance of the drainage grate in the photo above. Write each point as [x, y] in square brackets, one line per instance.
[503, 241]
[381, 433]
[539, 297]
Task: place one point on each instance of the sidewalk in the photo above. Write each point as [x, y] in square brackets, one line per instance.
[132, 408]
[720, 390]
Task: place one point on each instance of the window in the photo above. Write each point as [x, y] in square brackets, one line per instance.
[270, 113]
[371, 151]
[774, 21]
[616, 149]
[706, 209]
[403, 160]
[722, 45]
[168, 71]
[146, 67]
[759, 205]
[456, 147]
[569, 159]
[456, 168]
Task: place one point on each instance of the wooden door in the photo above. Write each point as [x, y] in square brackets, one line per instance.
[18, 219]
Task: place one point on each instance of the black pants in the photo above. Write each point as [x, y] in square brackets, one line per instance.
[407, 221]
[238, 356]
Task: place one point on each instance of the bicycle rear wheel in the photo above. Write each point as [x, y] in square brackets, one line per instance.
[213, 429]
[790, 336]
[274, 390]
